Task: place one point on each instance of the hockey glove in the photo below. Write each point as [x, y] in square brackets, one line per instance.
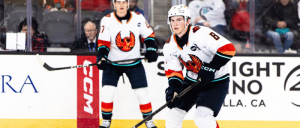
[207, 73]
[170, 91]
[151, 54]
[102, 62]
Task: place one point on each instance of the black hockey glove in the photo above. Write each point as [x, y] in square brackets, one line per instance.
[207, 73]
[151, 54]
[170, 91]
[102, 62]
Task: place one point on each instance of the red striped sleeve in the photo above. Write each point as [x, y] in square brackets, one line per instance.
[227, 49]
[152, 36]
[103, 43]
[171, 73]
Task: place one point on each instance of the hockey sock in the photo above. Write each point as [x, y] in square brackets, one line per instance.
[106, 109]
[146, 109]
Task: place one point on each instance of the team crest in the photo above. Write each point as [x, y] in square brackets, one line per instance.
[127, 43]
[108, 15]
[196, 28]
[204, 10]
[193, 65]
[138, 13]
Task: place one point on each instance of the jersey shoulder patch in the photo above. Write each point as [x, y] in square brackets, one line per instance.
[196, 28]
[168, 41]
[138, 13]
[108, 15]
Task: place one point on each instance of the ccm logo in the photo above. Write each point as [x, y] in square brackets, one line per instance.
[88, 94]
[208, 69]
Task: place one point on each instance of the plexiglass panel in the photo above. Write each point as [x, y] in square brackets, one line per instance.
[253, 26]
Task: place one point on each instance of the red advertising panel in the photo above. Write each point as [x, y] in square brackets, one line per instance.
[87, 93]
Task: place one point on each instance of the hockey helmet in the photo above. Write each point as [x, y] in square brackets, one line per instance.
[179, 10]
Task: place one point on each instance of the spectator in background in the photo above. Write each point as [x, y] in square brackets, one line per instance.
[240, 22]
[48, 5]
[242, 8]
[39, 40]
[88, 42]
[280, 23]
[58, 5]
[133, 6]
[209, 13]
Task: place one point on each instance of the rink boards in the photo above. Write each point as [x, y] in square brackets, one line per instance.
[264, 92]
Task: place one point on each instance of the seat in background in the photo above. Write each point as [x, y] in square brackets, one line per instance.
[59, 26]
[15, 18]
[93, 15]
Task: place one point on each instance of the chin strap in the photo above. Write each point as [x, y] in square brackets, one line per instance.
[182, 31]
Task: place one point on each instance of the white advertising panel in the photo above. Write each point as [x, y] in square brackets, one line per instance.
[261, 88]
[29, 91]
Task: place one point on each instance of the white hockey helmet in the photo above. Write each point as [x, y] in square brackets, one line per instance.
[179, 10]
[121, 0]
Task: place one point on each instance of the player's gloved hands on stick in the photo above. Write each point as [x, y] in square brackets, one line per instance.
[170, 91]
[207, 73]
[102, 62]
[151, 54]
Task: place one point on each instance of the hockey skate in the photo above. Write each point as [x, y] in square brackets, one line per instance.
[105, 124]
[150, 124]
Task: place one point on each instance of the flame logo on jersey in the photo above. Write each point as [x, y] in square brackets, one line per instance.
[193, 65]
[125, 44]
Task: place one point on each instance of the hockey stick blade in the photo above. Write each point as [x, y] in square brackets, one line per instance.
[45, 65]
[166, 104]
[39, 59]
[49, 68]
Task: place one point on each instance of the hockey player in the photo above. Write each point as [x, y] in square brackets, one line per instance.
[205, 55]
[119, 40]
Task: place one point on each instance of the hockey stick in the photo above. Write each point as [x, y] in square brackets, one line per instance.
[165, 105]
[49, 68]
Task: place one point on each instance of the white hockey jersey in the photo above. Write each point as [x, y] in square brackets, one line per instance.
[203, 45]
[212, 10]
[122, 38]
